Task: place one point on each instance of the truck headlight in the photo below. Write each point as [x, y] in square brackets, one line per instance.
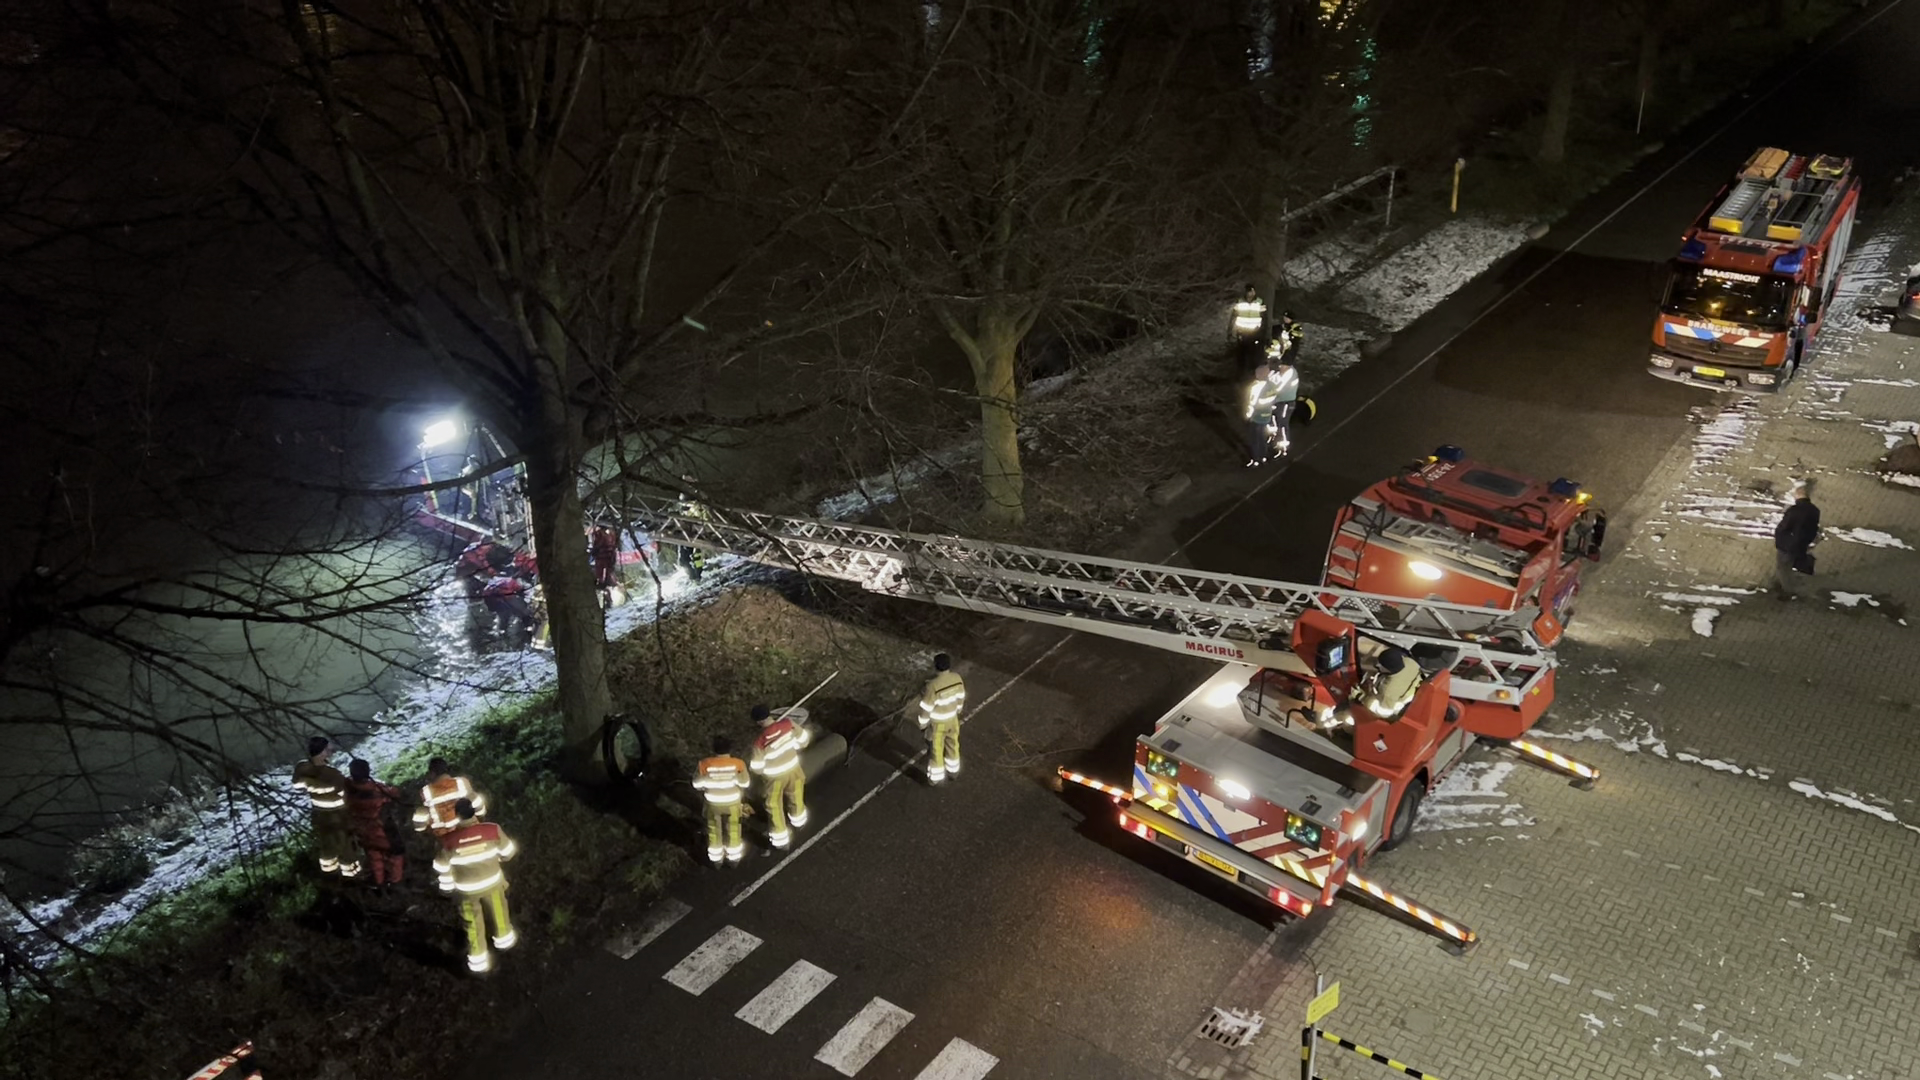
[1663, 361]
[1760, 379]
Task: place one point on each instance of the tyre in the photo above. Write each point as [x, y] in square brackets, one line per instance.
[1404, 814]
[626, 748]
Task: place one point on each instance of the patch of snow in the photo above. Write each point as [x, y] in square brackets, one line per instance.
[1470, 798]
[1595, 1025]
[1703, 620]
[1850, 801]
[1409, 283]
[883, 488]
[1903, 479]
[1895, 432]
[1696, 598]
[1718, 766]
[1733, 589]
[1713, 1073]
[1885, 382]
[1852, 599]
[1870, 537]
[1723, 430]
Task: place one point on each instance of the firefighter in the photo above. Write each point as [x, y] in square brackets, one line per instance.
[439, 795]
[506, 596]
[1286, 381]
[478, 564]
[603, 552]
[722, 779]
[1247, 328]
[327, 795]
[1393, 683]
[940, 704]
[1287, 335]
[692, 559]
[469, 868]
[1260, 397]
[776, 756]
[370, 809]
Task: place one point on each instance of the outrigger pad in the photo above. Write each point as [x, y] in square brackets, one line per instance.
[1435, 658]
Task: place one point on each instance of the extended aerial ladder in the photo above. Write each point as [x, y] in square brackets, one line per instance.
[1495, 669]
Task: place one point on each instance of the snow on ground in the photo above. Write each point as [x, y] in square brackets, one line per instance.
[1895, 432]
[1850, 800]
[1851, 599]
[1902, 479]
[883, 488]
[1870, 537]
[1408, 284]
[1696, 598]
[1703, 620]
[1471, 798]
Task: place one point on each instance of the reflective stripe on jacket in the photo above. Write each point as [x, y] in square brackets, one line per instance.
[777, 750]
[1287, 387]
[437, 798]
[1262, 394]
[721, 779]
[325, 786]
[1249, 316]
[470, 858]
[943, 698]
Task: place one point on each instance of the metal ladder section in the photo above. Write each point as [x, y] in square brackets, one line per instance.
[1191, 611]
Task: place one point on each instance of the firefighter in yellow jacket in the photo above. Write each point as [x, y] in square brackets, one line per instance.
[722, 778]
[469, 868]
[776, 756]
[326, 789]
[940, 705]
[439, 794]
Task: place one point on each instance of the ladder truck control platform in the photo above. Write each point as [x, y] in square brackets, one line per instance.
[1334, 715]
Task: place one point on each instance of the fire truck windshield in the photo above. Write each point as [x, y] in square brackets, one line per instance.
[1730, 295]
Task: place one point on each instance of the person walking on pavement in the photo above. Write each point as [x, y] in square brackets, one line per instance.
[1793, 540]
[776, 756]
[940, 704]
[327, 796]
[439, 795]
[722, 779]
[369, 807]
[1247, 328]
[469, 868]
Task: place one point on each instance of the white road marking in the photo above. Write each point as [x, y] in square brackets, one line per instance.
[863, 1036]
[703, 966]
[785, 996]
[658, 919]
[742, 895]
[961, 1060]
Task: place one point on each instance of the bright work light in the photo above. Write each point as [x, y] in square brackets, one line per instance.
[1426, 570]
[443, 431]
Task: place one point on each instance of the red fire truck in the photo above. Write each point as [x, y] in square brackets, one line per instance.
[1756, 272]
[1453, 529]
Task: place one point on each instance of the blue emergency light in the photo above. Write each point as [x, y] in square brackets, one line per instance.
[1450, 452]
[1564, 488]
[1693, 250]
[1790, 262]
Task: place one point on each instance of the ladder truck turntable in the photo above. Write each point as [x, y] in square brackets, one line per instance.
[1272, 773]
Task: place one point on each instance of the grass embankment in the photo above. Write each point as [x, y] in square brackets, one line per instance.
[330, 979]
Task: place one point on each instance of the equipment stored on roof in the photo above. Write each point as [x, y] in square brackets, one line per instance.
[1336, 713]
[1450, 528]
[1756, 272]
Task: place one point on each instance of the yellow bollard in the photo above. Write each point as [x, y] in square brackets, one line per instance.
[1458, 164]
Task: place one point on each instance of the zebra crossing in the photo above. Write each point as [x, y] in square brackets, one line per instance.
[853, 1045]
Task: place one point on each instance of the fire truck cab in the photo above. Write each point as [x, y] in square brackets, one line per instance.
[1750, 288]
[1454, 529]
[1281, 780]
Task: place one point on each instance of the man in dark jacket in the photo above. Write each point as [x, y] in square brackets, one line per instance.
[1793, 540]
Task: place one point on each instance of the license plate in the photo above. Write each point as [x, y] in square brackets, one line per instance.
[1218, 864]
[1709, 373]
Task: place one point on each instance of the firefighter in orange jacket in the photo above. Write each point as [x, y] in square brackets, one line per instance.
[722, 779]
[438, 796]
[469, 868]
[776, 756]
[327, 798]
[368, 803]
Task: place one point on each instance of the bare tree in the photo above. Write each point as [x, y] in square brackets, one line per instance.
[1034, 174]
[533, 194]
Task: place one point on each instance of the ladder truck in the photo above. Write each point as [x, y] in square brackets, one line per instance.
[1756, 273]
[1282, 772]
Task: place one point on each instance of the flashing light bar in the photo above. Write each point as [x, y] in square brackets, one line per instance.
[1584, 773]
[1087, 781]
[1434, 921]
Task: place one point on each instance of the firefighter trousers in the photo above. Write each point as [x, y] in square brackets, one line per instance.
[476, 909]
[786, 805]
[723, 833]
[333, 843]
[943, 747]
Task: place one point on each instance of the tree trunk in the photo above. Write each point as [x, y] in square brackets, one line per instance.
[1553, 133]
[1649, 61]
[573, 607]
[1001, 480]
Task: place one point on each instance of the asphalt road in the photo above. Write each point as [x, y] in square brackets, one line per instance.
[1022, 922]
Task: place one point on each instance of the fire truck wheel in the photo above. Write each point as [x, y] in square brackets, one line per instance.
[1404, 814]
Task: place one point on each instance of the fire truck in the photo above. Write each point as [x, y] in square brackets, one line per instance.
[1283, 771]
[1750, 288]
[1454, 529]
